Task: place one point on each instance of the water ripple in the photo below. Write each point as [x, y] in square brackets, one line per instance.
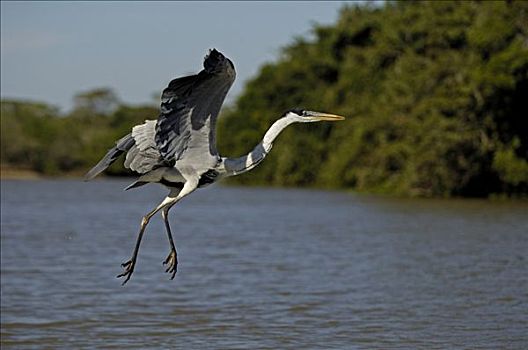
[266, 269]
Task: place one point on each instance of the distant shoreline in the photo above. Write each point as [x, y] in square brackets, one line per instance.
[19, 174]
[9, 173]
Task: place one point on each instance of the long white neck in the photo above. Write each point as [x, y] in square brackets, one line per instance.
[235, 166]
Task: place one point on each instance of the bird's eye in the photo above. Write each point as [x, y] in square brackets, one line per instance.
[299, 111]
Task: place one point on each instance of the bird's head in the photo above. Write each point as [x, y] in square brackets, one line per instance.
[304, 116]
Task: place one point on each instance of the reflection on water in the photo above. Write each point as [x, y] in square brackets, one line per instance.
[260, 268]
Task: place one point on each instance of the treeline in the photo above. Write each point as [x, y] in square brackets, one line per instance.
[434, 93]
[35, 136]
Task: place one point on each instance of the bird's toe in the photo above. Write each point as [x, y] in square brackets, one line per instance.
[172, 262]
[129, 269]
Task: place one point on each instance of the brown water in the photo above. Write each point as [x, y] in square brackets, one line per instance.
[260, 269]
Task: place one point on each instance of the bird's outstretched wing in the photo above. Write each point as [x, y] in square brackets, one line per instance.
[189, 109]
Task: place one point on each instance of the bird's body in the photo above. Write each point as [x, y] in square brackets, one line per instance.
[178, 150]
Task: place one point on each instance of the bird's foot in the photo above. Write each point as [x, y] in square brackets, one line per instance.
[129, 269]
[172, 263]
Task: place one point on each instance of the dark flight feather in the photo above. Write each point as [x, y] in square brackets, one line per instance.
[190, 104]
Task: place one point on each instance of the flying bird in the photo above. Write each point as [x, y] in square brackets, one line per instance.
[178, 150]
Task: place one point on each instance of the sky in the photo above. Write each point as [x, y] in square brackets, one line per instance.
[52, 50]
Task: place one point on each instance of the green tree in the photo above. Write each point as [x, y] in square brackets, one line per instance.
[434, 93]
[36, 136]
[97, 101]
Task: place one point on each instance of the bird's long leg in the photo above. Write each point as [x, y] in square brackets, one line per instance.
[130, 264]
[170, 200]
[172, 258]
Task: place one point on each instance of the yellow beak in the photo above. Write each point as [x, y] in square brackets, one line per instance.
[326, 116]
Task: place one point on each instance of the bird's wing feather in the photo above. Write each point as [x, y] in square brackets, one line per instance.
[143, 156]
[190, 107]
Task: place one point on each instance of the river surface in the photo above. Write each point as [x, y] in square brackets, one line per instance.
[260, 269]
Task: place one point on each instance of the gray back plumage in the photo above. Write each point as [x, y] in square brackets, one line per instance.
[143, 156]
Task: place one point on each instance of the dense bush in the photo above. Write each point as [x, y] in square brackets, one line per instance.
[37, 137]
[435, 94]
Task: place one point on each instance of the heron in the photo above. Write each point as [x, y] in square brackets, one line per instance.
[178, 150]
